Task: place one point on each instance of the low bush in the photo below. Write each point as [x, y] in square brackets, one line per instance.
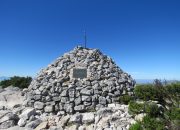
[135, 108]
[174, 113]
[145, 92]
[136, 126]
[125, 99]
[173, 89]
[21, 82]
[150, 123]
[152, 110]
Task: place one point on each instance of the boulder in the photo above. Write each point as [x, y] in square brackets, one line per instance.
[140, 116]
[33, 124]
[56, 128]
[15, 128]
[88, 118]
[27, 113]
[39, 105]
[7, 124]
[10, 97]
[8, 116]
[49, 108]
[22, 122]
[64, 120]
[79, 108]
[75, 119]
[7, 119]
[41, 126]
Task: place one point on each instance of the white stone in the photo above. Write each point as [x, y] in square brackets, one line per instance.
[76, 118]
[72, 127]
[111, 105]
[64, 120]
[88, 118]
[22, 122]
[140, 117]
[15, 128]
[39, 105]
[27, 113]
[41, 126]
[10, 98]
[82, 128]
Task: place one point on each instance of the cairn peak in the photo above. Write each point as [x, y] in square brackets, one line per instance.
[81, 80]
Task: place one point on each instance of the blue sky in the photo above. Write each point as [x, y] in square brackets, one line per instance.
[142, 36]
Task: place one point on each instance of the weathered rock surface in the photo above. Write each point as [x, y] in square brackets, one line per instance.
[8, 95]
[7, 119]
[111, 118]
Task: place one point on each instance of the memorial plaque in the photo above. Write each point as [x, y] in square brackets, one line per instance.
[79, 73]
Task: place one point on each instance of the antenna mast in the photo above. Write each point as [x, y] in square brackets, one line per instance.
[85, 39]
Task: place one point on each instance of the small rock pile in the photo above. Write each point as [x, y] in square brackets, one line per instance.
[56, 91]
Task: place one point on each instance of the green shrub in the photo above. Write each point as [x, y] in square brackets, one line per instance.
[135, 108]
[173, 89]
[174, 113]
[125, 99]
[136, 126]
[145, 92]
[21, 82]
[150, 123]
[154, 91]
[152, 110]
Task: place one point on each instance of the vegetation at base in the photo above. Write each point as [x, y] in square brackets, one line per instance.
[125, 99]
[135, 108]
[136, 126]
[174, 113]
[150, 108]
[160, 101]
[16, 81]
[150, 123]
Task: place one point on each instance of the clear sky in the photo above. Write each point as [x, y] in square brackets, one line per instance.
[142, 36]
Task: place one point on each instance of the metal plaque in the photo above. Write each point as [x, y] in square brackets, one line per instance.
[79, 73]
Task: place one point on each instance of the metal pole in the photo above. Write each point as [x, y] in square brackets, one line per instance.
[85, 39]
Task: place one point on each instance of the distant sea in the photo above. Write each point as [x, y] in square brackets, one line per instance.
[3, 78]
[144, 81]
[149, 81]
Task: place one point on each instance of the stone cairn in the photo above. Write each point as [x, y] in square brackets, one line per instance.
[58, 90]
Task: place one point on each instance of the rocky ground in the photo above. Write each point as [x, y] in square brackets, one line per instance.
[13, 116]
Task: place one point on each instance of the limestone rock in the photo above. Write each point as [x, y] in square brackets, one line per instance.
[10, 97]
[79, 108]
[41, 126]
[15, 128]
[7, 119]
[49, 108]
[76, 118]
[140, 117]
[72, 127]
[88, 118]
[64, 120]
[7, 124]
[56, 128]
[22, 122]
[33, 124]
[39, 105]
[27, 113]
